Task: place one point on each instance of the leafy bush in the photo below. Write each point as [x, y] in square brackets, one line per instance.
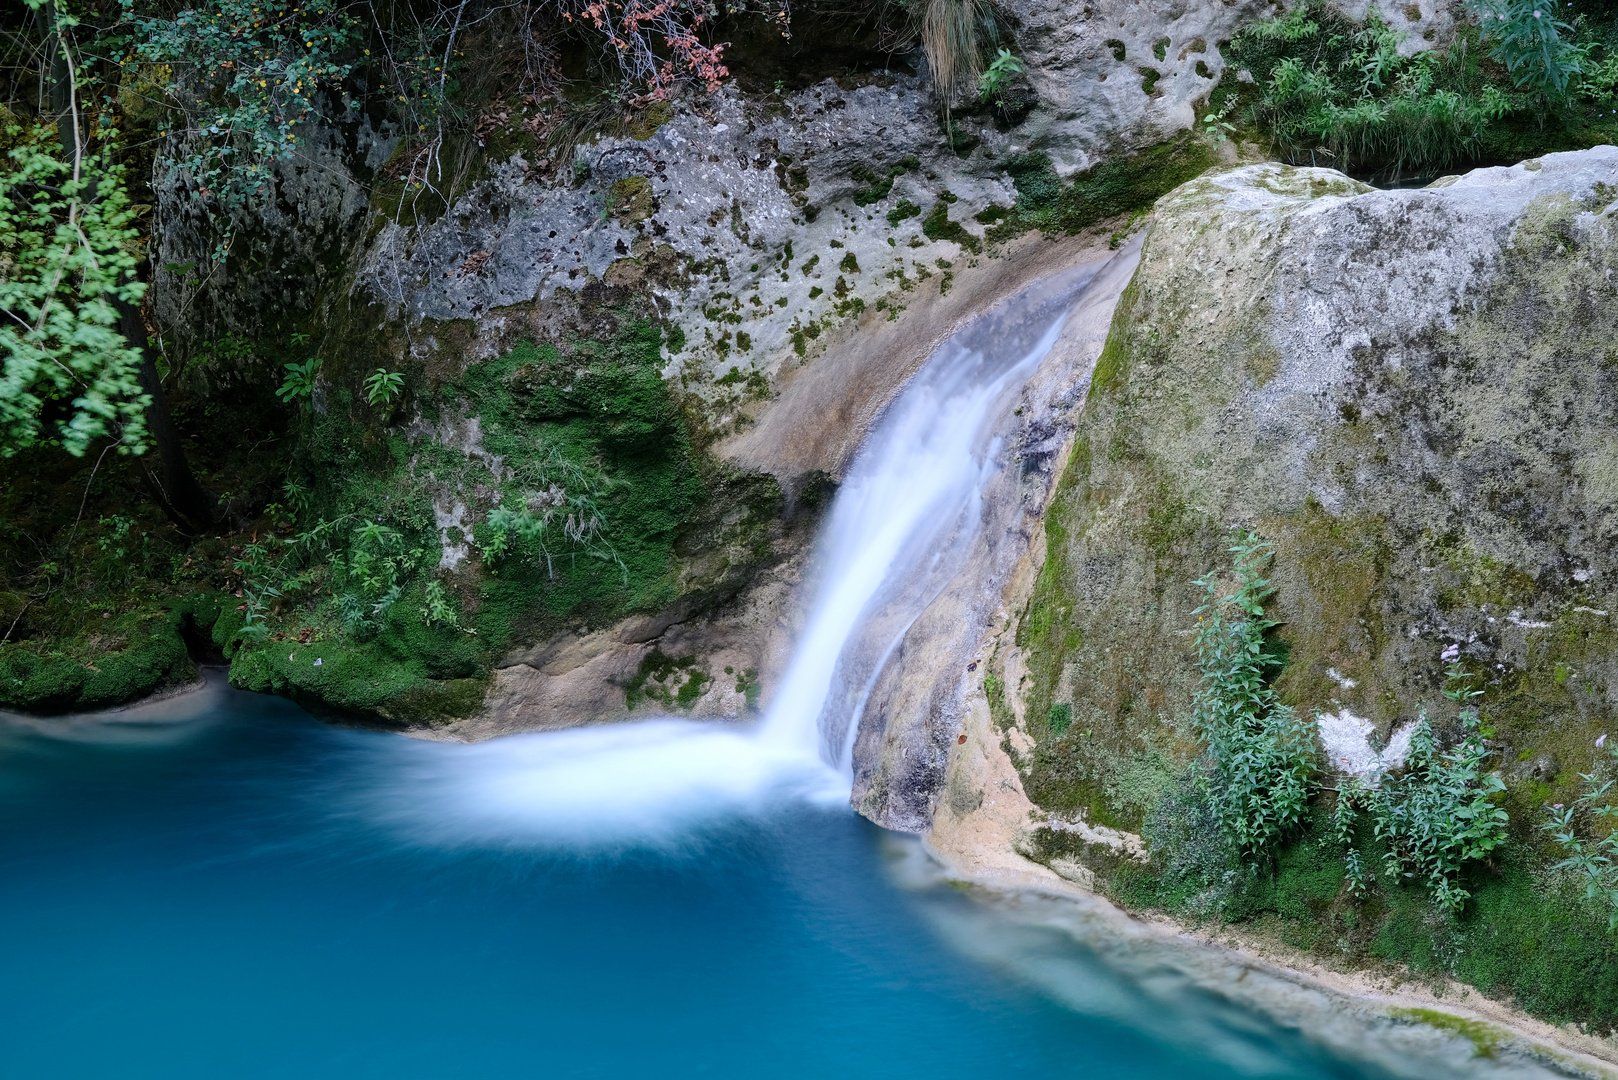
[250, 74]
[67, 233]
[1332, 92]
[1591, 862]
[1263, 755]
[1529, 39]
[1434, 816]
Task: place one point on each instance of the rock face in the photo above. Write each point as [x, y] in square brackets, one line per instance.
[817, 204]
[920, 694]
[288, 253]
[1409, 394]
[1115, 75]
[800, 252]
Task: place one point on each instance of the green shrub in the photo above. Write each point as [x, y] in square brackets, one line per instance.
[1262, 753]
[1592, 863]
[1531, 41]
[1332, 92]
[1434, 816]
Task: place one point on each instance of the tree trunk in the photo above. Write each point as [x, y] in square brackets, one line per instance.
[172, 483]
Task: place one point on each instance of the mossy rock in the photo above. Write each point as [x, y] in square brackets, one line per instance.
[125, 659]
[1409, 395]
[630, 200]
[677, 528]
[644, 124]
[1123, 183]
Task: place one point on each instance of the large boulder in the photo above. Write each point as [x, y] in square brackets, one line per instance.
[1410, 394]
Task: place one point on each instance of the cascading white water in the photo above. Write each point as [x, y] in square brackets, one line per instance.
[897, 532]
[906, 513]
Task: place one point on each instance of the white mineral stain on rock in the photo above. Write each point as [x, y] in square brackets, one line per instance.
[1346, 738]
[450, 553]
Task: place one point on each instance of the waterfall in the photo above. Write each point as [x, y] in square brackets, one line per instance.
[901, 524]
[899, 529]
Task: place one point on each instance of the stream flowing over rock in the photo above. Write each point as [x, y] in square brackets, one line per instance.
[1409, 394]
[1402, 390]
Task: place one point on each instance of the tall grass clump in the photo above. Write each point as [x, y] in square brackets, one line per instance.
[1262, 755]
[1339, 94]
[952, 33]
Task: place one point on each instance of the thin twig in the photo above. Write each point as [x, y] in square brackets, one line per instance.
[18, 619]
[75, 530]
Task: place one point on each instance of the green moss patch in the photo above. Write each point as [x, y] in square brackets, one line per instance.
[671, 682]
[938, 226]
[630, 199]
[120, 661]
[1119, 185]
[1485, 1038]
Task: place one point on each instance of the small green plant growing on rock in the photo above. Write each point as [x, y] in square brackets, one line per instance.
[300, 380]
[998, 75]
[562, 497]
[382, 386]
[1263, 755]
[439, 609]
[1591, 862]
[1214, 124]
[903, 209]
[1351, 792]
[373, 576]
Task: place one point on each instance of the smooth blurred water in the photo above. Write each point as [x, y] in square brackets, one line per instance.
[218, 886]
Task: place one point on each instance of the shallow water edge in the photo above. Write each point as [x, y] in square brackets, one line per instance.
[1337, 1008]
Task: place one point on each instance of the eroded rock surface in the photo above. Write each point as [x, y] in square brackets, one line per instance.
[1409, 393]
